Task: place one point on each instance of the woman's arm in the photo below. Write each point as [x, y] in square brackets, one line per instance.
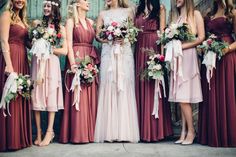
[63, 50]
[98, 28]
[162, 23]
[69, 38]
[232, 47]
[200, 32]
[5, 22]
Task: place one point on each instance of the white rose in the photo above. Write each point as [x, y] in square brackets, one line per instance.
[110, 28]
[50, 31]
[158, 67]
[167, 30]
[46, 35]
[126, 40]
[117, 32]
[20, 81]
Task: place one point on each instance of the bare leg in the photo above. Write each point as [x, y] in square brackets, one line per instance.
[50, 133]
[188, 114]
[38, 126]
[183, 131]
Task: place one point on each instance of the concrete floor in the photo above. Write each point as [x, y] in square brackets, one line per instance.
[161, 149]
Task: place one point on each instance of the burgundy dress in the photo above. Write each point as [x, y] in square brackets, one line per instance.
[15, 130]
[151, 129]
[78, 126]
[217, 112]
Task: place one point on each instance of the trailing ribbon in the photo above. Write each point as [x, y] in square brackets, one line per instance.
[174, 55]
[210, 63]
[10, 86]
[116, 66]
[157, 95]
[42, 50]
[75, 88]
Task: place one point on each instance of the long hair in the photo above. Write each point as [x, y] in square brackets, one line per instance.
[22, 13]
[175, 12]
[55, 16]
[73, 11]
[155, 11]
[229, 6]
[121, 3]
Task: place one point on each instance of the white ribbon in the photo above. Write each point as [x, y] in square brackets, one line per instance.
[174, 55]
[10, 86]
[42, 50]
[210, 62]
[157, 95]
[76, 88]
[116, 66]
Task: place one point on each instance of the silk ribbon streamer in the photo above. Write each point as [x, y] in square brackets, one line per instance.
[210, 63]
[116, 66]
[174, 55]
[157, 95]
[10, 86]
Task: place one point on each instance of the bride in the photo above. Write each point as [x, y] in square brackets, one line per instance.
[117, 118]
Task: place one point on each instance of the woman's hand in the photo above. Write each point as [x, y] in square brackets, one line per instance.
[8, 70]
[118, 41]
[74, 68]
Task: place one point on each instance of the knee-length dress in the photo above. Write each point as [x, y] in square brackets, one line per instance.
[151, 129]
[78, 126]
[15, 130]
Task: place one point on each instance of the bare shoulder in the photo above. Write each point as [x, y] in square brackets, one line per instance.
[6, 16]
[197, 14]
[162, 8]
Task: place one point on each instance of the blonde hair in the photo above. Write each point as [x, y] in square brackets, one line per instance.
[121, 3]
[22, 13]
[175, 12]
[73, 11]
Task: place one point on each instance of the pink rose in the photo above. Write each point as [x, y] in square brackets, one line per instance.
[114, 24]
[162, 58]
[90, 67]
[209, 41]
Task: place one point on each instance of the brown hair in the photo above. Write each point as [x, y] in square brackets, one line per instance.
[229, 6]
[121, 3]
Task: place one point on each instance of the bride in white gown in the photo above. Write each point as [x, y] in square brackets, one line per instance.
[117, 118]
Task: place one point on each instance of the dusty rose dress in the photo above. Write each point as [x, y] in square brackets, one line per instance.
[217, 112]
[15, 130]
[78, 126]
[48, 95]
[151, 129]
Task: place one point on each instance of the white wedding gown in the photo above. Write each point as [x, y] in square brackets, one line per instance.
[117, 118]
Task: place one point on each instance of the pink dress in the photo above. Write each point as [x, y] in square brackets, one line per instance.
[151, 129]
[78, 126]
[15, 130]
[48, 95]
[186, 88]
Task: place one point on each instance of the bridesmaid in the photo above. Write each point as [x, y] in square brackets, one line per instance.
[78, 126]
[150, 17]
[217, 113]
[15, 130]
[187, 89]
[47, 95]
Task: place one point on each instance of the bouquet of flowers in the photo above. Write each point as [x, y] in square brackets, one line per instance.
[212, 48]
[115, 31]
[175, 31]
[88, 70]
[213, 44]
[14, 86]
[86, 74]
[156, 66]
[49, 34]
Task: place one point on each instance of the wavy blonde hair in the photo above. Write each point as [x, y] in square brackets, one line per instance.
[121, 3]
[22, 13]
[229, 7]
[73, 11]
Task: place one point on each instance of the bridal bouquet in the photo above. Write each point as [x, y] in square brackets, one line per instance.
[156, 66]
[49, 34]
[175, 32]
[115, 31]
[16, 85]
[172, 39]
[86, 74]
[212, 48]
